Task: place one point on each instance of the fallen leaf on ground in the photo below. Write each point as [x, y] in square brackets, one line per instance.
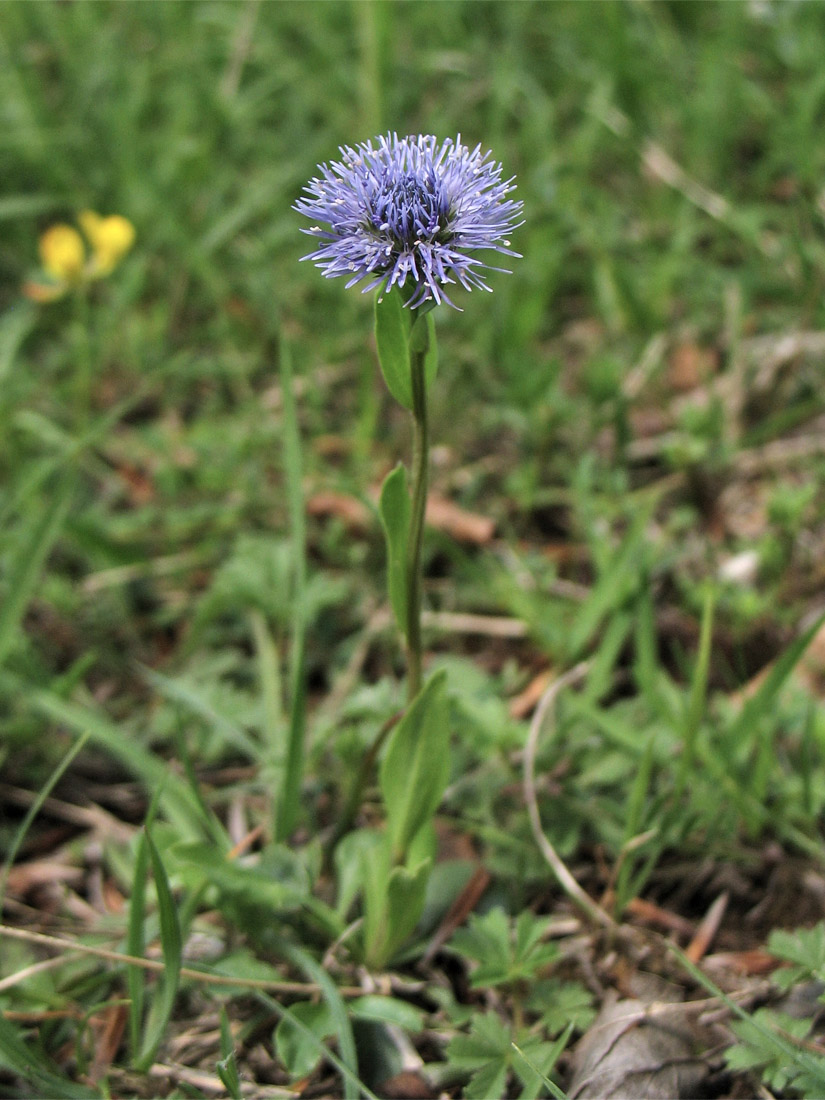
[463, 526]
[350, 510]
[630, 1051]
[526, 701]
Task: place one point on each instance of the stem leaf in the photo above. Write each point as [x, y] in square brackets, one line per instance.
[392, 339]
[416, 766]
[405, 890]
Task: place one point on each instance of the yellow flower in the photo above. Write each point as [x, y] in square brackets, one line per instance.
[110, 238]
[63, 254]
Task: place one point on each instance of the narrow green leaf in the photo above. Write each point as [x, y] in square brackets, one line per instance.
[348, 1063]
[600, 678]
[34, 810]
[354, 1088]
[634, 815]
[269, 676]
[178, 804]
[211, 823]
[300, 1052]
[227, 1067]
[551, 1053]
[416, 765]
[392, 339]
[698, 691]
[26, 563]
[619, 581]
[646, 658]
[135, 937]
[136, 944]
[394, 507]
[289, 802]
[759, 704]
[30, 1067]
[171, 943]
[15, 326]
[634, 821]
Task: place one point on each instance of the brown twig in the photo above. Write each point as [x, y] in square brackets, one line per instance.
[57, 943]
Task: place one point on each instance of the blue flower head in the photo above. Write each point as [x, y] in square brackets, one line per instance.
[410, 213]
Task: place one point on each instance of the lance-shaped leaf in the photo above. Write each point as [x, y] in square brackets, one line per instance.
[392, 338]
[172, 946]
[403, 905]
[395, 516]
[394, 896]
[416, 766]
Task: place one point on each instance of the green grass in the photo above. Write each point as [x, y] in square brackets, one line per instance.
[167, 593]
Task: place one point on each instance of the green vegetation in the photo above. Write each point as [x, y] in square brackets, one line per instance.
[204, 746]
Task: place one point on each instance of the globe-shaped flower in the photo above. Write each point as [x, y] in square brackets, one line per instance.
[411, 213]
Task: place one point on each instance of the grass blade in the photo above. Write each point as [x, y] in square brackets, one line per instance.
[269, 674]
[227, 1067]
[796, 1055]
[178, 804]
[696, 699]
[136, 944]
[289, 801]
[27, 563]
[558, 1046]
[28, 1064]
[172, 946]
[346, 1042]
[760, 702]
[35, 808]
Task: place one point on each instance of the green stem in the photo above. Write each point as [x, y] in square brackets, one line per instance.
[83, 364]
[420, 468]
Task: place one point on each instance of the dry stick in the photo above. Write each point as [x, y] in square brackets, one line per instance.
[28, 972]
[559, 868]
[57, 943]
[488, 626]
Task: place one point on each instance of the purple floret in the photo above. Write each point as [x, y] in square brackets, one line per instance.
[410, 210]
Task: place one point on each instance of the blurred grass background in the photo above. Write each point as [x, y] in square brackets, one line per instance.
[669, 163]
[606, 406]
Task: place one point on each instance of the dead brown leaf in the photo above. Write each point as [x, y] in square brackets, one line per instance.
[630, 1051]
[707, 929]
[459, 911]
[526, 701]
[353, 513]
[107, 1027]
[463, 526]
[690, 365]
[651, 913]
[25, 877]
[407, 1085]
